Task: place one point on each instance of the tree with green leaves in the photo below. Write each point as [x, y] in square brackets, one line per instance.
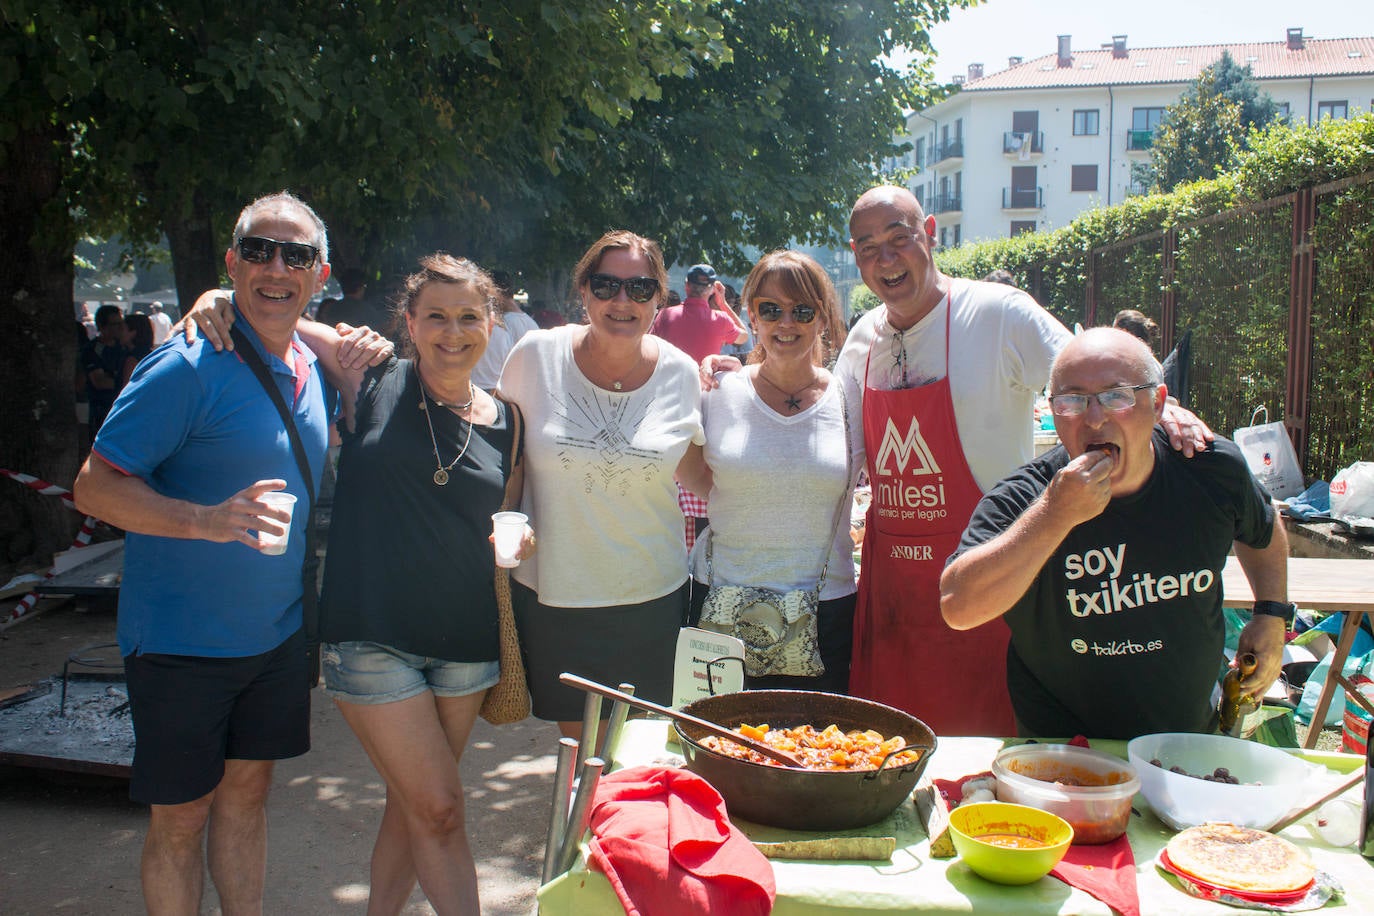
[511, 131]
[1204, 132]
[766, 141]
[163, 118]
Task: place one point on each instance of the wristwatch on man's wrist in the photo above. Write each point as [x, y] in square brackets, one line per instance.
[1283, 609]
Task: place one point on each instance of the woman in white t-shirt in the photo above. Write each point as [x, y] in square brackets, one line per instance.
[609, 413]
[777, 465]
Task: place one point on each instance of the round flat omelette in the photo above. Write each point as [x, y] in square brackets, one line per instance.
[1241, 858]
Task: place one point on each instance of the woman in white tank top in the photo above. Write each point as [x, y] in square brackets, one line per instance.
[777, 467]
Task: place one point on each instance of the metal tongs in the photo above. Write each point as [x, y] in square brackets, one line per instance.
[575, 781]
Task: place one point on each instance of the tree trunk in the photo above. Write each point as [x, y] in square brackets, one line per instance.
[196, 261]
[552, 291]
[38, 430]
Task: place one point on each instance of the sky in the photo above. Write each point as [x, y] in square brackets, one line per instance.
[997, 29]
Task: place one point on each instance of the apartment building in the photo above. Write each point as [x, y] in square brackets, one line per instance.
[1031, 146]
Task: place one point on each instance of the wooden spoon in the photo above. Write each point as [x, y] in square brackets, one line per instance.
[1302, 812]
[720, 731]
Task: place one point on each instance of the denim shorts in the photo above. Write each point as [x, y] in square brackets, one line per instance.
[369, 673]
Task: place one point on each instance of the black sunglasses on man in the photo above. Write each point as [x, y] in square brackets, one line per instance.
[256, 249]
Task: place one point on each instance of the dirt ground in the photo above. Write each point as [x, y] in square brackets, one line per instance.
[71, 843]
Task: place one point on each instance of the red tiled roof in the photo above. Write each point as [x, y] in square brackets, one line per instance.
[1267, 60]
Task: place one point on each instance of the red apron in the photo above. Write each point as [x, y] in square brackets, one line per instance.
[905, 655]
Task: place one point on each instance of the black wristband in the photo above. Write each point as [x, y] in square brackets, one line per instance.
[1283, 609]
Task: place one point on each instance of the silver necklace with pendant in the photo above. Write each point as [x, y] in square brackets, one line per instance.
[441, 470]
[618, 384]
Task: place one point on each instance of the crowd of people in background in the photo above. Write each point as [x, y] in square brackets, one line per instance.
[109, 345]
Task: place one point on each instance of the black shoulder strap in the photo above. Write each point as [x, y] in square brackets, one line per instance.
[244, 347]
[517, 445]
[310, 596]
[516, 422]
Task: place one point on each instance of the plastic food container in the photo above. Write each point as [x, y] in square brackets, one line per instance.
[1186, 801]
[1089, 789]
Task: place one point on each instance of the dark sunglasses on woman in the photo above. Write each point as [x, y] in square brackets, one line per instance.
[258, 250]
[771, 311]
[639, 289]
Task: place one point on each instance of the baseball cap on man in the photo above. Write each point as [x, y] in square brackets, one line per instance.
[701, 273]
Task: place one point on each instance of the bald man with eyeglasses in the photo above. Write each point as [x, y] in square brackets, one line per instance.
[1104, 557]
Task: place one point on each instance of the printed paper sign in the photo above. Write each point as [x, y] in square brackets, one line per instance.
[695, 649]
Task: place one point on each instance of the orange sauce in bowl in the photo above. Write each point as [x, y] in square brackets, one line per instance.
[1065, 774]
[1011, 841]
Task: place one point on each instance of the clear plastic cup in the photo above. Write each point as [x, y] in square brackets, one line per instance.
[274, 545]
[509, 530]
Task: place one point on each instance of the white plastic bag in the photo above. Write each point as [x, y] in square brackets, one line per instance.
[1269, 453]
[1352, 492]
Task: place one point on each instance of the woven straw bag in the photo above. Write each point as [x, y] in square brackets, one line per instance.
[509, 700]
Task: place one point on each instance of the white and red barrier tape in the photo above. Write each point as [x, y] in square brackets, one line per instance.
[83, 537]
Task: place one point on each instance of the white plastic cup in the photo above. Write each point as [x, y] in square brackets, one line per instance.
[509, 529]
[274, 545]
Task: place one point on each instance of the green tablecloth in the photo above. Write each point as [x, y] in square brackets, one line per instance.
[913, 882]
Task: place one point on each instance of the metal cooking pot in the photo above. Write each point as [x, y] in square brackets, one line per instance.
[805, 799]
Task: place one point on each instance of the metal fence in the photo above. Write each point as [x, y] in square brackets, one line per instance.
[1279, 297]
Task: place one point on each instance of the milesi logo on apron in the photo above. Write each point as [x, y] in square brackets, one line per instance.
[899, 498]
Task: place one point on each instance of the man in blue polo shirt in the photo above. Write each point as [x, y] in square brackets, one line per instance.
[210, 623]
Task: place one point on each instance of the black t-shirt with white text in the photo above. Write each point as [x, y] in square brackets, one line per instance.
[1121, 633]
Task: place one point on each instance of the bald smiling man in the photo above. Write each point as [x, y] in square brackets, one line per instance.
[1104, 557]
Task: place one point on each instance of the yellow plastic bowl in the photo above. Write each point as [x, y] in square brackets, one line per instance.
[971, 825]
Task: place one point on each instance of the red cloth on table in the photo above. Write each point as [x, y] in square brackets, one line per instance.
[663, 840]
[1106, 871]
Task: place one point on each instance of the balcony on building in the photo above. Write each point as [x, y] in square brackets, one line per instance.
[1023, 198]
[1016, 143]
[946, 203]
[1139, 141]
[949, 149]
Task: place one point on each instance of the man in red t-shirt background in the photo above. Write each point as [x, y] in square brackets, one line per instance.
[699, 327]
[704, 322]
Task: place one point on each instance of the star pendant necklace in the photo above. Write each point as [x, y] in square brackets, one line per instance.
[792, 400]
[619, 384]
[441, 469]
